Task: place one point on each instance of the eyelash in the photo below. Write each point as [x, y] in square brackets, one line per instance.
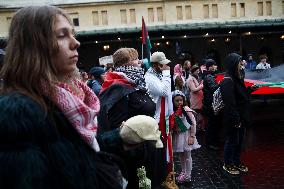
[64, 35]
[61, 36]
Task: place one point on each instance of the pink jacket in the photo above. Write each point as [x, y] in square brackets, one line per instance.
[196, 93]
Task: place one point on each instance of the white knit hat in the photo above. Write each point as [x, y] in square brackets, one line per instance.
[140, 128]
[159, 57]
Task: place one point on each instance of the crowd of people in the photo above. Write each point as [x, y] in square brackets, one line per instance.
[60, 128]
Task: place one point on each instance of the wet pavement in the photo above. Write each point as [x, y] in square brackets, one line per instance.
[263, 153]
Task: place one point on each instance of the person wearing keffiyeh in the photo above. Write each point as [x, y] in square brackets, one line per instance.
[80, 106]
[47, 123]
[158, 82]
[122, 96]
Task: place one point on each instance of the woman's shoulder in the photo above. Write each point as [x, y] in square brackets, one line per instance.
[17, 99]
[17, 106]
[22, 119]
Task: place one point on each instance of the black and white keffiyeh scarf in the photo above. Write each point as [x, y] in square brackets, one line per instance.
[152, 71]
[134, 74]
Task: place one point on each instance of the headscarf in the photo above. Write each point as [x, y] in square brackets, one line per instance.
[178, 70]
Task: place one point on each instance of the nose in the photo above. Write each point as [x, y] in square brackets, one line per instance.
[75, 44]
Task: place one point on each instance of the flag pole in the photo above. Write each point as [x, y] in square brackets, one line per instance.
[142, 50]
[143, 27]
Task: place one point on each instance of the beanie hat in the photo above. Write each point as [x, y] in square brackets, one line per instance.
[141, 128]
[97, 71]
[209, 63]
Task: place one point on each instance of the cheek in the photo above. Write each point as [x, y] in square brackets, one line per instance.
[175, 103]
[136, 63]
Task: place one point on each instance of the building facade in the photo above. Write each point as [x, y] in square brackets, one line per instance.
[192, 28]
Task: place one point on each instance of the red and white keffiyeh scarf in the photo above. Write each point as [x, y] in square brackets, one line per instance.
[80, 109]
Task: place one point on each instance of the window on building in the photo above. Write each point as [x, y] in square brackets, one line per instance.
[242, 10]
[205, 11]
[123, 17]
[95, 18]
[104, 17]
[132, 16]
[268, 8]
[214, 11]
[188, 13]
[75, 18]
[150, 15]
[282, 7]
[160, 14]
[260, 8]
[179, 13]
[233, 10]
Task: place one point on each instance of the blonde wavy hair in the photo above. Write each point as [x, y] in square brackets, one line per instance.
[123, 55]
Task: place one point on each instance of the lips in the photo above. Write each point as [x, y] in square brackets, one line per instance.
[74, 58]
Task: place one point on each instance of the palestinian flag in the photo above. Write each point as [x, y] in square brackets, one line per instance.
[146, 44]
[264, 87]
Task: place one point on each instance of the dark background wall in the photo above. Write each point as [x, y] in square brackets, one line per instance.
[195, 48]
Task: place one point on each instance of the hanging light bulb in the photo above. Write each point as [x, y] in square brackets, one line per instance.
[106, 47]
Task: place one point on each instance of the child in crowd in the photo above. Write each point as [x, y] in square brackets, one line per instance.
[184, 139]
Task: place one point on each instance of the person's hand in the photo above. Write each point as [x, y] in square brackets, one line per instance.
[190, 140]
[165, 67]
[254, 87]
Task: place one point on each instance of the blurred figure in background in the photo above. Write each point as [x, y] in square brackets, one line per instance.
[97, 77]
[195, 87]
[210, 84]
[186, 69]
[250, 63]
[178, 78]
[262, 65]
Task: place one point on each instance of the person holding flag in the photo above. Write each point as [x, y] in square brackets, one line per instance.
[158, 83]
[184, 139]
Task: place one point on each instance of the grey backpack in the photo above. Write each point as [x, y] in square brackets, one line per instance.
[218, 103]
